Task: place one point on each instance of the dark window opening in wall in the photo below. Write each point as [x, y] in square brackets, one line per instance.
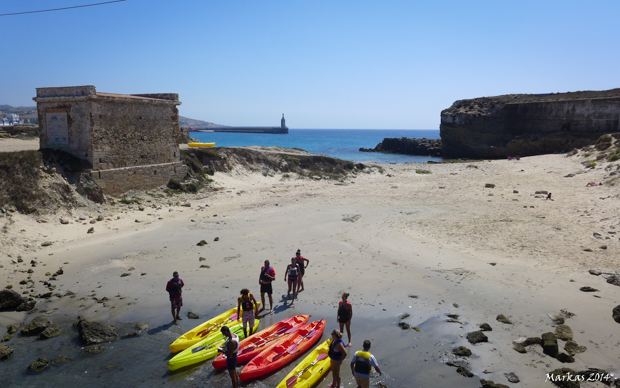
[86, 155]
[175, 154]
[100, 160]
[154, 172]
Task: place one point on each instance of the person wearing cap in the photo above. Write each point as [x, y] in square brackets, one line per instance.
[267, 275]
[361, 364]
[174, 287]
[230, 348]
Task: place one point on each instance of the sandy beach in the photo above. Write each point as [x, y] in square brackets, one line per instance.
[384, 237]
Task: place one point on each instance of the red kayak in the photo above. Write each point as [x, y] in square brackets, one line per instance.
[284, 351]
[256, 343]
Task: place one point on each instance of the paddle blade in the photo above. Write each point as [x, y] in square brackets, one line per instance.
[292, 381]
[312, 333]
[292, 349]
[292, 330]
[321, 356]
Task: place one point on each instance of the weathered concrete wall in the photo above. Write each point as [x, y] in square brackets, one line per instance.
[496, 127]
[120, 180]
[131, 141]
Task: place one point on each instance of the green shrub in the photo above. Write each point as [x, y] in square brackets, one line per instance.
[350, 166]
[613, 158]
[127, 201]
[419, 171]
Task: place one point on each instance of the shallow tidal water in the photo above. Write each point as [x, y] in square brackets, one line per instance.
[408, 358]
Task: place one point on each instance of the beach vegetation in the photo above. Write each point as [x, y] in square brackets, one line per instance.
[285, 176]
[472, 166]
[350, 165]
[196, 178]
[9, 286]
[590, 164]
[587, 154]
[127, 201]
[420, 171]
[299, 149]
[613, 158]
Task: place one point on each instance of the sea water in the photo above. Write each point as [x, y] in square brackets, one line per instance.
[338, 143]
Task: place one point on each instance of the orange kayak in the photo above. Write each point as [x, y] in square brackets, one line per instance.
[283, 352]
[256, 343]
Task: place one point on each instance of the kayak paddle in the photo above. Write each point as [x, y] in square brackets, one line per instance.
[263, 341]
[293, 380]
[204, 332]
[293, 347]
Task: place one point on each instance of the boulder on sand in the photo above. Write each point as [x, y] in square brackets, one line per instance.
[37, 325]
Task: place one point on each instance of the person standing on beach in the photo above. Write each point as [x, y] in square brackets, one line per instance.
[361, 364]
[249, 305]
[337, 353]
[230, 348]
[302, 270]
[292, 272]
[267, 275]
[174, 287]
[345, 313]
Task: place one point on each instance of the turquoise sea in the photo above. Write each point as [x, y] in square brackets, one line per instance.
[338, 143]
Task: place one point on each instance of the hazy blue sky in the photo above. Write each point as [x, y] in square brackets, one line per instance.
[325, 64]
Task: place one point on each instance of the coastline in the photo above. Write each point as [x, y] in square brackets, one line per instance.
[380, 237]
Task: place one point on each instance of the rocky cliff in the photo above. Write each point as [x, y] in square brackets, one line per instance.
[528, 124]
[407, 146]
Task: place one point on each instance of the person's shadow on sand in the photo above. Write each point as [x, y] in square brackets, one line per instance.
[161, 328]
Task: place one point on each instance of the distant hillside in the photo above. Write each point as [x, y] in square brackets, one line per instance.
[187, 122]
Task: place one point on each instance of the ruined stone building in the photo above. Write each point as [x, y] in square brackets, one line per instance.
[131, 141]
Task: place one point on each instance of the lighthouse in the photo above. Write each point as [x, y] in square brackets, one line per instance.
[283, 122]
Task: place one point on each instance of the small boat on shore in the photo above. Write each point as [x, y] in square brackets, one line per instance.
[284, 352]
[258, 342]
[310, 369]
[201, 144]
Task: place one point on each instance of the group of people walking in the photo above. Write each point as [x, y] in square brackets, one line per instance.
[361, 362]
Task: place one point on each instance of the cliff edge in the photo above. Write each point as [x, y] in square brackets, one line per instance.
[528, 124]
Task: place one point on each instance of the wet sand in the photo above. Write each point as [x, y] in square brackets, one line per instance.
[379, 237]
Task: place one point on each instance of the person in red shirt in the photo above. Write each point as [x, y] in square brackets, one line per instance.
[174, 287]
[267, 275]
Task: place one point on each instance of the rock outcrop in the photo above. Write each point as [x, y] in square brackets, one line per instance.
[407, 146]
[12, 301]
[528, 124]
[96, 332]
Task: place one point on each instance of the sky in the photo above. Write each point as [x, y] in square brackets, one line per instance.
[324, 64]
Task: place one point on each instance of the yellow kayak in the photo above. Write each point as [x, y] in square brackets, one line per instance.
[207, 348]
[201, 144]
[310, 369]
[200, 332]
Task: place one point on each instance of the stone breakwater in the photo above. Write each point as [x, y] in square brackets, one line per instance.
[408, 146]
[528, 124]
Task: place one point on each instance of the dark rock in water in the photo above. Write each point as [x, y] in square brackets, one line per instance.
[557, 319]
[53, 330]
[61, 359]
[453, 316]
[28, 305]
[573, 348]
[12, 329]
[125, 274]
[404, 325]
[464, 372]
[485, 327]
[94, 349]
[588, 289]
[565, 358]
[134, 333]
[476, 337]
[96, 332]
[413, 296]
[461, 351]
[616, 313]
[550, 344]
[491, 384]
[403, 316]
[512, 378]
[614, 279]
[142, 326]
[564, 378]
[501, 318]
[10, 300]
[5, 352]
[39, 364]
[191, 315]
[407, 146]
[563, 332]
[37, 325]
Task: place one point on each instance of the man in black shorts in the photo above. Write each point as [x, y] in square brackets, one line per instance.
[267, 275]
